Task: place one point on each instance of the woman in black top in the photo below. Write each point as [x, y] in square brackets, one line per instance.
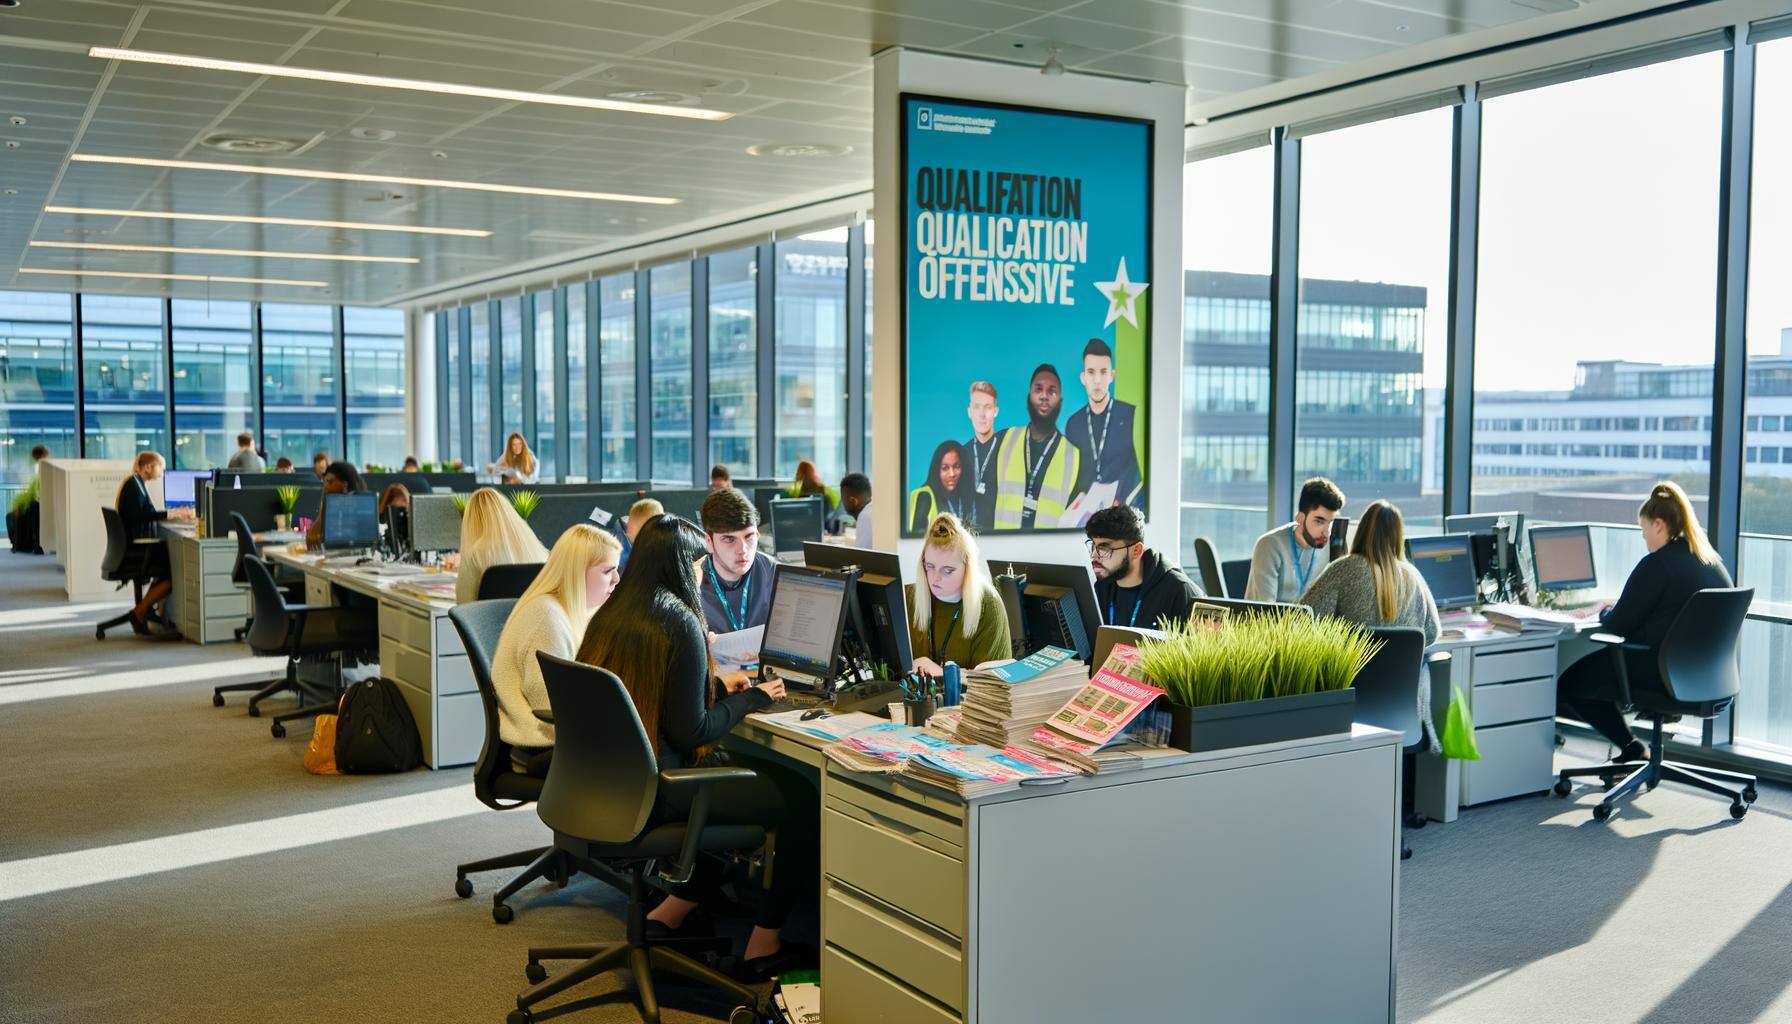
[1680, 563]
[140, 515]
[651, 634]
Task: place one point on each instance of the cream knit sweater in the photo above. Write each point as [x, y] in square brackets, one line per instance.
[538, 625]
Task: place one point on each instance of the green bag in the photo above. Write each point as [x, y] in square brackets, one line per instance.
[1458, 736]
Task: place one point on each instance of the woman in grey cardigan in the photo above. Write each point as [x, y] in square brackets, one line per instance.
[1376, 586]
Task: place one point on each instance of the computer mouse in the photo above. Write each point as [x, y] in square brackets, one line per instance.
[813, 713]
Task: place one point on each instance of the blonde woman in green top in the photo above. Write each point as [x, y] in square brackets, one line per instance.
[955, 613]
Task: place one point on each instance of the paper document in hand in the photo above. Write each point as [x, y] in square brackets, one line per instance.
[1096, 498]
[738, 648]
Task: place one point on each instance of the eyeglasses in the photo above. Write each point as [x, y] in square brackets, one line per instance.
[1104, 550]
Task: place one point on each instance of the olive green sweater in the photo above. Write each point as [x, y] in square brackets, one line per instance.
[949, 643]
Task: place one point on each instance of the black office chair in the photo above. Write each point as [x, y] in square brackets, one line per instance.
[1387, 696]
[135, 562]
[1697, 662]
[297, 632]
[497, 784]
[1236, 575]
[295, 592]
[1212, 580]
[510, 580]
[600, 790]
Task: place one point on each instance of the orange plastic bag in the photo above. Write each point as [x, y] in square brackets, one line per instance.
[320, 755]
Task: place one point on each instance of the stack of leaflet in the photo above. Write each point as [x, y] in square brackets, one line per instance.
[1518, 618]
[435, 586]
[883, 747]
[978, 769]
[1004, 703]
[1087, 733]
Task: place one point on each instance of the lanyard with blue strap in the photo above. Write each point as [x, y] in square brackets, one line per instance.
[1301, 573]
[746, 593]
[1137, 603]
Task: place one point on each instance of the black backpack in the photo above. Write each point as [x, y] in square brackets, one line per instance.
[375, 731]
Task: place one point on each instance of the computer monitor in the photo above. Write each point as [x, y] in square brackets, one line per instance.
[877, 610]
[435, 523]
[1447, 564]
[351, 521]
[1057, 609]
[763, 496]
[795, 522]
[1562, 558]
[398, 530]
[180, 486]
[1488, 522]
[1339, 545]
[802, 630]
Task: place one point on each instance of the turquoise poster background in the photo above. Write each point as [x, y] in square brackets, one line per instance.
[1026, 234]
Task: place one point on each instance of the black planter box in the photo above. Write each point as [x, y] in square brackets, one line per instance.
[1248, 723]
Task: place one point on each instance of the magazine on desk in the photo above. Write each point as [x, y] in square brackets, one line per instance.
[1087, 732]
[978, 769]
[1004, 703]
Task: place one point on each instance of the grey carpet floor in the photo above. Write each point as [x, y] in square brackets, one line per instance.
[161, 859]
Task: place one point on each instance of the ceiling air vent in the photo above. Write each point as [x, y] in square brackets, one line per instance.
[259, 145]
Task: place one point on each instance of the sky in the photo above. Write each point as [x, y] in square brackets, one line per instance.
[1598, 218]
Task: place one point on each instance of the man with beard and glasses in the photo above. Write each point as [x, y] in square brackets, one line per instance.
[1036, 468]
[1134, 585]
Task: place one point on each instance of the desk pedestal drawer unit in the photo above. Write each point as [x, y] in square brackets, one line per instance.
[436, 679]
[206, 605]
[1510, 685]
[1183, 891]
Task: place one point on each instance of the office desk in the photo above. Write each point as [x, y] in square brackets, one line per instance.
[1257, 884]
[207, 606]
[1509, 682]
[419, 650]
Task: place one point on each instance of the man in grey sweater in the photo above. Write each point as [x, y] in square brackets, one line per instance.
[246, 459]
[1288, 558]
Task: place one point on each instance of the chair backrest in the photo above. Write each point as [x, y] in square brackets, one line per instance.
[1387, 688]
[1698, 654]
[268, 615]
[604, 776]
[508, 580]
[480, 625]
[1208, 562]
[1236, 575]
[118, 543]
[245, 546]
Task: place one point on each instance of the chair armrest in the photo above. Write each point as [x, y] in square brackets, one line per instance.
[1436, 657]
[1618, 645]
[1614, 640]
[701, 778]
[148, 540]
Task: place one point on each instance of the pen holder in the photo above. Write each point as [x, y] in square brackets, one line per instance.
[917, 712]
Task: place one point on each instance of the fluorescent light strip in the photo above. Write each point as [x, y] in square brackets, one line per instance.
[295, 222]
[378, 179]
[181, 60]
[260, 254]
[176, 277]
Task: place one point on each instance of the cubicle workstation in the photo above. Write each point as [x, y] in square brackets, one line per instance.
[71, 494]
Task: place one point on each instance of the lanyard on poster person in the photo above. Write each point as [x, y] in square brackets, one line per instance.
[746, 593]
[1034, 474]
[982, 461]
[1100, 445]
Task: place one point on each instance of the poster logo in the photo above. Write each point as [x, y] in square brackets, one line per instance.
[924, 119]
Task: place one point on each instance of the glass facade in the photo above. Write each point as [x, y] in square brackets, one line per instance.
[299, 389]
[810, 388]
[374, 350]
[123, 386]
[578, 383]
[733, 361]
[214, 382]
[617, 375]
[449, 336]
[669, 373]
[544, 440]
[479, 385]
[37, 383]
[509, 343]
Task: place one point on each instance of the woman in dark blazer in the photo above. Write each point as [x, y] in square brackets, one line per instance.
[141, 516]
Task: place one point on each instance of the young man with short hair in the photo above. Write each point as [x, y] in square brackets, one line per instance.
[1102, 431]
[246, 459]
[1036, 469]
[639, 513]
[320, 461]
[283, 465]
[736, 584]
[855, 501]
[720, 478]
[1291, 556]
[1134, 585]
[980, 454]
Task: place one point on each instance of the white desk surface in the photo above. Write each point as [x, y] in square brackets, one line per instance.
[359, 579]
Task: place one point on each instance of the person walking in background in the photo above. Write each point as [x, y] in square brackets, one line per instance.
[246, 459]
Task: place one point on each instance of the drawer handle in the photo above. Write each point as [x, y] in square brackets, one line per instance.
[859, 899]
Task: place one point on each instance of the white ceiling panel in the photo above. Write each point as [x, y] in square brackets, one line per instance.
[790, 71]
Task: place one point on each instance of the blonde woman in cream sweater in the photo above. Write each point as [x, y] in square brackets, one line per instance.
[551, 616]
[491, 533]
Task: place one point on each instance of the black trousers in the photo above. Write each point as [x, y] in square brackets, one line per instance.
[780, 798]
[1588, 690]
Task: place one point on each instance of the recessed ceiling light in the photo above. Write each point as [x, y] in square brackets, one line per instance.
[387, 179]
[295, 222]
[798, 149]
[373, 134]
[175, 277]
[251, 253]
[661, 96]
[412, 84]
[257, 145]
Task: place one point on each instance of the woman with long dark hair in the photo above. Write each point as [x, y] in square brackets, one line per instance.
[944, 491]
[651, 634]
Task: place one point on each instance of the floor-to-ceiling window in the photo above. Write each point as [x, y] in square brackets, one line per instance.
[124, 387]
[214, 380]
[669, 362]
[452, 449]
[1227, 217]
[544, 385]
[810, 390]
[374, 350]
[733, 361]
[37, 383]
[299, 388]
[1595, 320]
[485, 446]
[616, 327]
[1374, 310]
[578, 404]
[870, 238]
[509, 414]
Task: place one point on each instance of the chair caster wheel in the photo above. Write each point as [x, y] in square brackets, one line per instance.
[1749, 794]
[217, 700]
[746, 1015]
[1563, 787]
[463, 888]
[519, 1017]
[254, 712]
[1602, 811]
[1415, 820]
[99, 632]
[1738, 809]
[278, 730]
[535, 973]
[1406, 853]
[502, 913]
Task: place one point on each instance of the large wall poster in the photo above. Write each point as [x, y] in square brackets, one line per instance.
[1026, 314]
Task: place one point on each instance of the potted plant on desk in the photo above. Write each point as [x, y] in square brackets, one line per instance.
[1257, 679]
[525, 503]
[289, 500]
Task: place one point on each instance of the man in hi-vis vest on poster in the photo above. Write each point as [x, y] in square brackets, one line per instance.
[1036, 468]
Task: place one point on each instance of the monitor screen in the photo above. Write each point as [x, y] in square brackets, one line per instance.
[1562, 557]
[1072, 623]
[351, 520]
[794, 521]
[802, 632]
[179, 486]
[1448, 565]
[1487, 522]
[435, 523]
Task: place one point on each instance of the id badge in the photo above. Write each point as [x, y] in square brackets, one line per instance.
[1030, 504]
[979, 487]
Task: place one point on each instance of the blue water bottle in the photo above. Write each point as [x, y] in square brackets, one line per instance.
[953, 685]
